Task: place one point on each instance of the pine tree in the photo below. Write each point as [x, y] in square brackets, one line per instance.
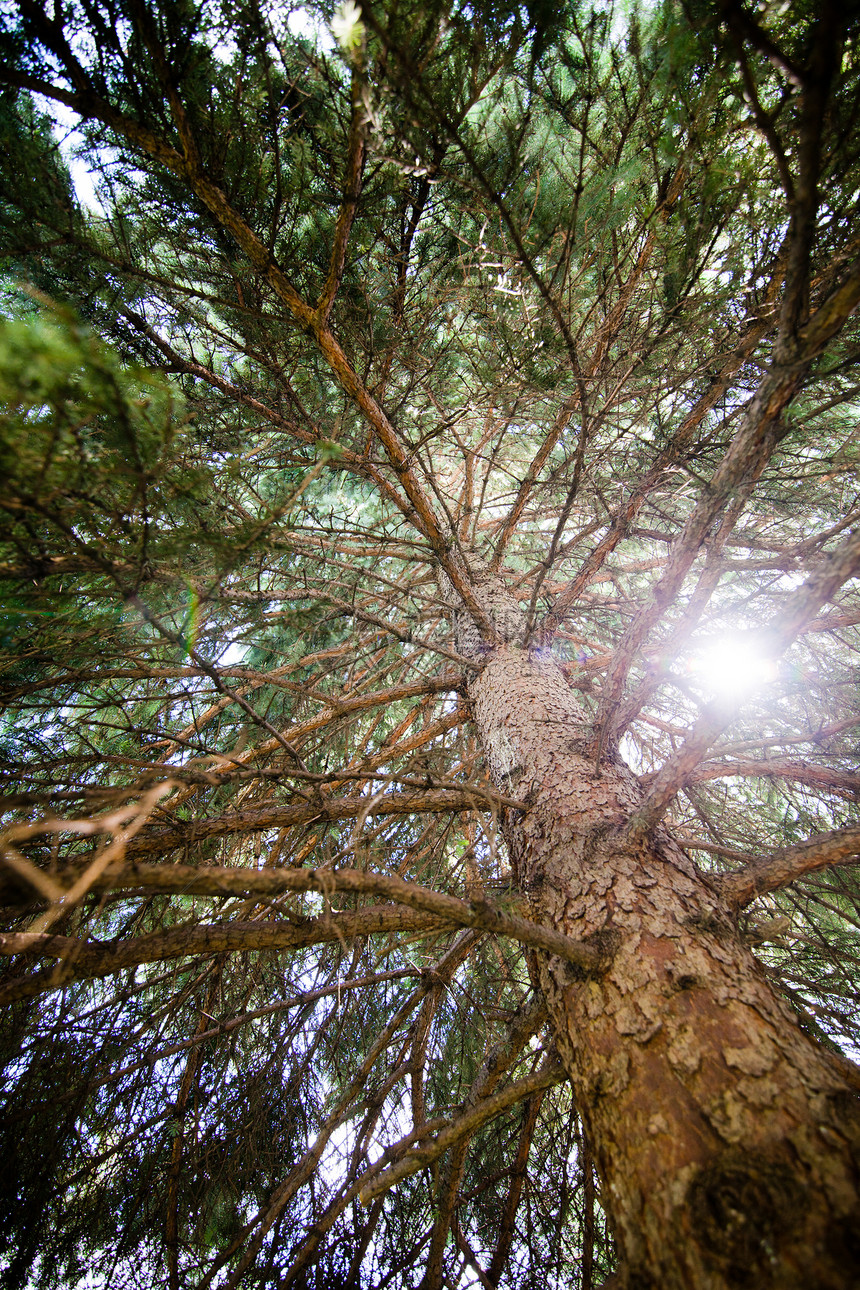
[428, 653]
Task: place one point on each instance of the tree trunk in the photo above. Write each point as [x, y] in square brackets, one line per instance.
[726, 1141]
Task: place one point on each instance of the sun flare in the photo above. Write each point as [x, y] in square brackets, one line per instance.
[733, 668]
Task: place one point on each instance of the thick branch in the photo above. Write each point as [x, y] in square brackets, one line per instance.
[269, 883]
[85, 960]
[261, 818]
[841, 846]
[824, 778]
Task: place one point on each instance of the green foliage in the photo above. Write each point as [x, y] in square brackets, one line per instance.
[72, 403]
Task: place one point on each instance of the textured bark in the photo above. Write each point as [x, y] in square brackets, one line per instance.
[726, 1142]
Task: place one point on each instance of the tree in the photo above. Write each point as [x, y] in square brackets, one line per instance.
[429, 645]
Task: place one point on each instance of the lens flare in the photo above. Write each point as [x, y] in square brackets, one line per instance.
[733, 667]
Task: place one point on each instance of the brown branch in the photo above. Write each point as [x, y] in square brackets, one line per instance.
[537, 464]
[669, 456]
[304, 1169]
[433, 980]
[189, 1077]
[518, 1175]
[469, 1254]
[340, 987]
[345, 459]
[86, 960]
[830, 317]
[737, 17]
[845, 783]
[335, 710]
[547, 1077]
[444, 799]
[841, 846]
[260, 818]
[833, 622]
[348, 706]
[351, 192]
[753, 445]
[837, 567]
[422, 513]
[605, 334]
[269, 883]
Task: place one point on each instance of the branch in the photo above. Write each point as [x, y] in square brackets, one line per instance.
[468, 1123]
[346, 459]
[335, 709]
[832, 314]
[670, 455]
[259, 819]
[85, 960]
[503, 1054]
[605, 334]
[751, 447]
[90, 105]
[525, 1023]
[841, 846]
[746, 27]
[845, 783]
[342, 986]
[507, 1229]
[302, 1171]
[346, 215]
[269, 883]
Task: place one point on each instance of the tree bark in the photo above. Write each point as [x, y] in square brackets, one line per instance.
[727, 1143]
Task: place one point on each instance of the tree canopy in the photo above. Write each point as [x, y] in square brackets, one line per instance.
[365, 310]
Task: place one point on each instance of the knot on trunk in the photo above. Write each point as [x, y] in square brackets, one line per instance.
[742, 1204]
